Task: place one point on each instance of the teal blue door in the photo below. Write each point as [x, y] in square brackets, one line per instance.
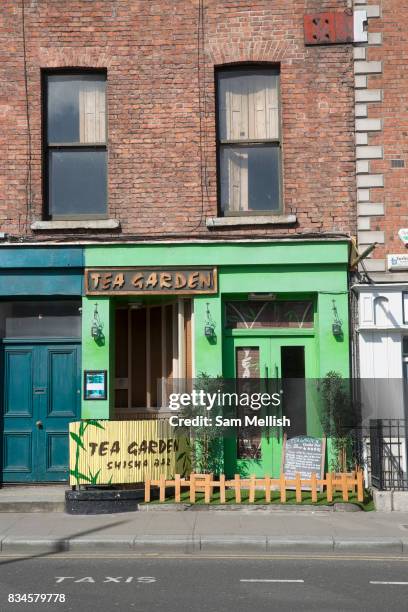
[41, 395]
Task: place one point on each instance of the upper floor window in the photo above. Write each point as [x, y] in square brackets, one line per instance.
[75, 155]
[249, 141]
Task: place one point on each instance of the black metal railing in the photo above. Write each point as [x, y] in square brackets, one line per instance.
[386, 451]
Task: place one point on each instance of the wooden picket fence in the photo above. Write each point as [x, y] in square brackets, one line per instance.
[344, 482]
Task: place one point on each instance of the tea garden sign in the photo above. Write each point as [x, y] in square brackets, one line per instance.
[125, 452]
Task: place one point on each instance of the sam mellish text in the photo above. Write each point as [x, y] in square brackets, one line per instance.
[220, 421]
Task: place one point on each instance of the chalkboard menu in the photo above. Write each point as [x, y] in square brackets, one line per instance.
[305, 455]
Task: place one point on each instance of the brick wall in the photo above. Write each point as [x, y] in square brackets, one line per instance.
[385, 208]
[156, 151]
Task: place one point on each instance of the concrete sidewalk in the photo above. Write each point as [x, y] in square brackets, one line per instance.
[205, 532]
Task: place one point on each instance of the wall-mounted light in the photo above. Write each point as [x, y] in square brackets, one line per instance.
[337, 323]
[209, 327]
[97, 325]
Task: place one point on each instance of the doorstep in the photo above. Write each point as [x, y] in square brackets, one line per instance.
[33, 498]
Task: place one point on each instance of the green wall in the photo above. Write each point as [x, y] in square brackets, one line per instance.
[215, 253]
[98, 356]
[292, 268]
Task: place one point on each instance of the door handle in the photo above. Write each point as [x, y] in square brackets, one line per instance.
[279, 410]
[40, 390]
[39, 424]
[267, 379]
[268, 437]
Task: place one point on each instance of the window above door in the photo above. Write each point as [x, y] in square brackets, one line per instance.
[40, 319]
[252, 314]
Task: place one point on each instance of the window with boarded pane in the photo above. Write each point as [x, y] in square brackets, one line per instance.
[249, 141]
[76, 156]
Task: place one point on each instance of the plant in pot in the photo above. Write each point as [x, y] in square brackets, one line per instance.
[207, 443]
[338, 418]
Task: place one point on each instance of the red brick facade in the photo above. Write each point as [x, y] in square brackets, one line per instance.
[160, 65]
[392, 25]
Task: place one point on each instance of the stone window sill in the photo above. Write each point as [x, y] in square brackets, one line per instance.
[93, 224]
[250, 220]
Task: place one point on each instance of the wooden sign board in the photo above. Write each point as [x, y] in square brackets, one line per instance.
[150, 281]
[303, 455]
[125, 452]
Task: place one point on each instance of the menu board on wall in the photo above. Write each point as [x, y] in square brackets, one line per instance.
[304, 455]
[95, 384]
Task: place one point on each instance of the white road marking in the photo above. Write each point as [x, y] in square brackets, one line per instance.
[267, 580]
[116, 579]
[386, 582]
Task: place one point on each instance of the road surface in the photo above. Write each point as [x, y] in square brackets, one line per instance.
[202, 584]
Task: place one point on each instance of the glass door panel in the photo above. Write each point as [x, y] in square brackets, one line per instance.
[248, 362]
[272, 365]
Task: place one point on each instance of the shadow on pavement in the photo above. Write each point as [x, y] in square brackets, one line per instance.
[60, 546]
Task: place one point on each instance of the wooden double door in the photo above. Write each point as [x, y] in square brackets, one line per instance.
[41, 395]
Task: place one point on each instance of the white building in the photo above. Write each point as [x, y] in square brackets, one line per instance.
[382, 334]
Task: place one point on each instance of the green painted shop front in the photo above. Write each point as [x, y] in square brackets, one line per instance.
[275, 304]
